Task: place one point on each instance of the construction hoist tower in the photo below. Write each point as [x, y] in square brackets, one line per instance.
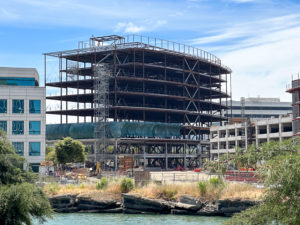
[102, 73]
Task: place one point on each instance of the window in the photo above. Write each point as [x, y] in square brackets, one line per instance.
[18, 127]
[3, 125]
[18, 106]
[34, 127]
[19, 147]
[17, 81]
[34, 106]
[3, 106]
[35, 167]
[34, 148]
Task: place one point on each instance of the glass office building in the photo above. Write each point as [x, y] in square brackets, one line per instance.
[22, 112]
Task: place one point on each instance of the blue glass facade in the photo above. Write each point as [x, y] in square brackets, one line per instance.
[19, 147]
[17, 127]
[17, 81]
[18, 106]
[3, 125]
[34, 106]
[3, 106]
[34, 148]
[34, 127]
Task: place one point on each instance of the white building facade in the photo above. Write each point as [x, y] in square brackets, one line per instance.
[260, 108]
[22, 112]
[225, 139]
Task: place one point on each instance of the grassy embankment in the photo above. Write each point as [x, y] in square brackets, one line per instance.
[210, 190]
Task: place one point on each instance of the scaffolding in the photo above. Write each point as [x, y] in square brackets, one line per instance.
[72, 69]
[102, 73]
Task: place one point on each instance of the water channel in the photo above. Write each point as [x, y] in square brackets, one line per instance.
[129, 219]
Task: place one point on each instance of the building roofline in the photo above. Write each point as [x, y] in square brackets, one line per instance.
[20, 72]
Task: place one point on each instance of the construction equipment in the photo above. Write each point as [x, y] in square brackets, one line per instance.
[96, 169]
[126, 162]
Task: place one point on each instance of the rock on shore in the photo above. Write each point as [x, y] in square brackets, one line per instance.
[142, 205]
[81, 203]
[229, 207]
[132, 204]
[187, 205]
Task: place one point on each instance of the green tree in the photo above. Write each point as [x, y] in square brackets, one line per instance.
[271, 149]
[11, 164]
[50, 154]
[281, 204]
[253, 156]
[247, 158]
[20, 199]
[69, 151]
[49, 149]
[225, 162]
[281, 175]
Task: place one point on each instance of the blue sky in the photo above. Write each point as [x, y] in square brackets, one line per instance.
[258, 39]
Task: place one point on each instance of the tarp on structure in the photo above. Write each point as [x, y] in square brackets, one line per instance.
[114, 130]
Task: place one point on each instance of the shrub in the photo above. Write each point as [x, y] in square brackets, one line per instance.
[202, 187]
[70, 186]
[102, 183]
[52, 188]
[168, 193]
[216, 181]
[127, 185]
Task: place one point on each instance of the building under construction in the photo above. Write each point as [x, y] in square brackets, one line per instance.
[294, 89]
[137, 96]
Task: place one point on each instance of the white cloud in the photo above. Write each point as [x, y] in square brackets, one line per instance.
[263, 70]
[262, 54]
[250, 29]
[232, 33]
[87, 14]
[263, 64]
[130, 27]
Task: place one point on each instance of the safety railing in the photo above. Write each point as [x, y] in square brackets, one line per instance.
[157, 44]
[172, 46]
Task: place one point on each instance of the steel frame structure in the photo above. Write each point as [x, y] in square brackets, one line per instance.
[151, 80]
[294, 89]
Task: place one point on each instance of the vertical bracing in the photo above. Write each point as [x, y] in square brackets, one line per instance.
[244, 124]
